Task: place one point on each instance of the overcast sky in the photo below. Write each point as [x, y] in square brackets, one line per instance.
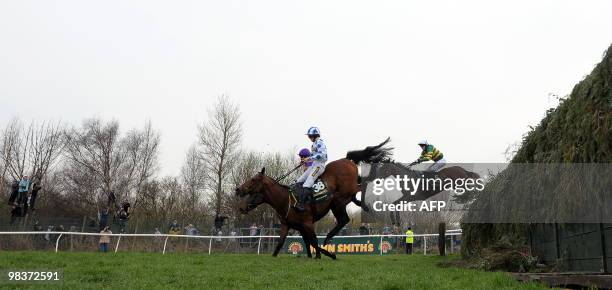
[469, 76]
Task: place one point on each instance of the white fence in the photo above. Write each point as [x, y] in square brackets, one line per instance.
[450, 233]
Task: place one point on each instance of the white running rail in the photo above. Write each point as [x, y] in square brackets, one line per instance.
[451, 233]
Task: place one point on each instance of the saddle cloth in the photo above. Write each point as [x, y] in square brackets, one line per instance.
[320, 192]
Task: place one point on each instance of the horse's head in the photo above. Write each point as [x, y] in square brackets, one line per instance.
[251, 192]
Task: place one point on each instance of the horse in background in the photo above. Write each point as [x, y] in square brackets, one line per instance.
[388, 168]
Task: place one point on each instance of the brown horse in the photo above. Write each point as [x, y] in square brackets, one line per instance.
[341, 178]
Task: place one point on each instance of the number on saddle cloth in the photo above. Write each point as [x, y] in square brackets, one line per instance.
[320, 192]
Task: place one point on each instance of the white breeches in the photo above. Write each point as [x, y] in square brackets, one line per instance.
[437, 165]
[311, 174]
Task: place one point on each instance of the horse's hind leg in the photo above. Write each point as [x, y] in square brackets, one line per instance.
[360, 203]
[342, 219]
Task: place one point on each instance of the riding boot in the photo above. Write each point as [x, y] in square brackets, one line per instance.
[301, 198]
[305, 194]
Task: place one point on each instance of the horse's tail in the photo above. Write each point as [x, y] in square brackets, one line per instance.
[371, 154]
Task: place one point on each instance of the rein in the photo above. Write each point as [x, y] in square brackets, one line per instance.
[278, 180]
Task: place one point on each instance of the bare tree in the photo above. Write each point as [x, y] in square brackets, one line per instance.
[220, 138]
[95, 159]
[99, 160]
[141, 151]
[31, 150]
[193, 176]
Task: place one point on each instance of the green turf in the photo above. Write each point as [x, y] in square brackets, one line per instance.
[232, 271]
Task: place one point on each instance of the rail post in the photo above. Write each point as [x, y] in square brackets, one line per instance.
[380, 245]
[165, 243]
[118, 240]
[258, 245]
[57, 242]
[424, 245]
[210, 245]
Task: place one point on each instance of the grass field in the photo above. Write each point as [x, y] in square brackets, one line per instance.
[232, 271]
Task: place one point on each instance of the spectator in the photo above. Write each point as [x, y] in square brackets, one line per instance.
[260, 230]
[105, 239]
[409, 240]
[344, 231]
[253, 229]
[174, 229]
[24, 184]
[174, 226]
[47, 235]
[32, 199]
[16, 212]
[158, 239]
[363, 230]
[386, 230]
[38, 239]
[103, 218]
[124, 215]
[190, 230]
[219, 220]
[253, 232]
[37, 226]
[14, 192]
[233, 240]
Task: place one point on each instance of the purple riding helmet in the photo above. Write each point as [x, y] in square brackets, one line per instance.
[305, 153]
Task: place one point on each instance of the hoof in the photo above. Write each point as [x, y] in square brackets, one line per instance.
[365, 208]
[333, 256]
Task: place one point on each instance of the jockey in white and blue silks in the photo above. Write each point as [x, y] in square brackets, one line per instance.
[318, 157]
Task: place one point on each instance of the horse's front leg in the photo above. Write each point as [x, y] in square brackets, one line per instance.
[306, 244]
[310, 234]
[283, 236]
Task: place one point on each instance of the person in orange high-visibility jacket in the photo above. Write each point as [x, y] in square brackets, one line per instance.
[409, 240]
